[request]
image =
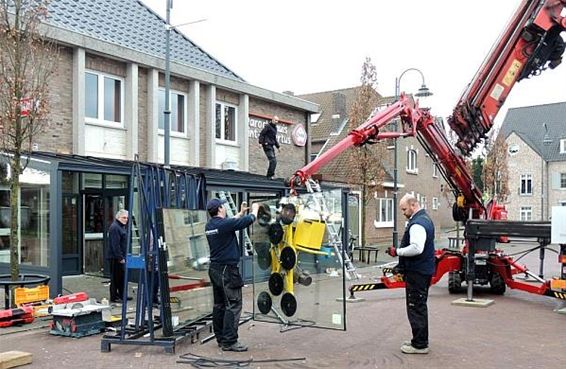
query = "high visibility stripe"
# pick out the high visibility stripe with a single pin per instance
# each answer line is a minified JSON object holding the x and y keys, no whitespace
{"x":560,"y":295}
{"x":364,"y":287}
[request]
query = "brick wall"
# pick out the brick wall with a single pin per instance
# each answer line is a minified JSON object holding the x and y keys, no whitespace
{"x":291,"y":157}
{"x":105,"y":65}
{"x":58,"y":133}
{"x":142,"y":113}
{"x":203,"y":149}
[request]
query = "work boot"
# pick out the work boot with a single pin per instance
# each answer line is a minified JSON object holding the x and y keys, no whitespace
{"x":236,"y":346}
{"x":413,"y":350}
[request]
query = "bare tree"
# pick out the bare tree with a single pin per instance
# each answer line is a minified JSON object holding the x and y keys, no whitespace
{"x":27,"y":61}
{"x":495,"y":169}
{"x":366,"y":169}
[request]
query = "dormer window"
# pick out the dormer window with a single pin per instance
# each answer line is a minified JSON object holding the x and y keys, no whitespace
{"x":563,"y":146}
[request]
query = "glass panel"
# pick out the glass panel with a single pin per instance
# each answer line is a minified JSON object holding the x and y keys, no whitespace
{"x":70,"y":182}
{"x":4,"y":224}
{"x":218,"y":121}
{"x":189,"y":258}
{"x":91,"y":95}
{"x":116,"y":181}
{"x":178,"y":113}
{"x":70,"y":221}
{"x":34,"y":217}
{"x":298,"y":277}
{"x":230,"y":123}
{"x":92,"y":180}
{"x":112,"y":100}
{"x":161,"y":108}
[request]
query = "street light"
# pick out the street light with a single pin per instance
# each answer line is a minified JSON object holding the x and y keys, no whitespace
{"x":423,"y":91}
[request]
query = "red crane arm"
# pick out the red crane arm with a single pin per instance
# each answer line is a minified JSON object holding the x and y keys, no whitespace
{"x":530,"y":43}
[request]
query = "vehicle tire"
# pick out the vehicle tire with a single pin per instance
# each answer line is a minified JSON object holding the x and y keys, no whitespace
{"x":454,"y":282}
{"x":497,"y":284}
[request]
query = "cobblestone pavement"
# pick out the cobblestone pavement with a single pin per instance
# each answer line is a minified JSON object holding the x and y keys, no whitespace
{"x":520,"y":330}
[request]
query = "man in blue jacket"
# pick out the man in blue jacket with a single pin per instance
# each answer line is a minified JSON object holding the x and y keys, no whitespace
{"x":116,"y":255}
{"x":416,"y":263}
{"x":224,"y":274}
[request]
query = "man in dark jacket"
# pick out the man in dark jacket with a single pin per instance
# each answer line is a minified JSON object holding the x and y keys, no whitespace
{"x":224,"y":274}
{"x":268,"y":141}
{"x":117,"y":250}
{"x":416,"y":263}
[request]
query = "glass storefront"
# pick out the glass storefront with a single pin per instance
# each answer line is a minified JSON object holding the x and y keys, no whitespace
{"x":34,"y":217}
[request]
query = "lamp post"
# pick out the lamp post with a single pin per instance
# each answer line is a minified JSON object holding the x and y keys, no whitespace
{"x":423,"y":91}
{"x":167,"y":108}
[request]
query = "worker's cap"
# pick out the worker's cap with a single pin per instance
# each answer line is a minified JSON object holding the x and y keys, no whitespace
{"x":214,"y":204}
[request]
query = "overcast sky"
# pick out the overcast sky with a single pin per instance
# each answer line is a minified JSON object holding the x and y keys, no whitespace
{"x":318,"y":45}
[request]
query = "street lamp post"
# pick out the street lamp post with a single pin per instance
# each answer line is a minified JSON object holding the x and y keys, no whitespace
{"x":422,"y":92}
{"x":167,"y":108}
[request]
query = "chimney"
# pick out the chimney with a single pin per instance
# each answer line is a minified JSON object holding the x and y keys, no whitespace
{"x":290,"y":93}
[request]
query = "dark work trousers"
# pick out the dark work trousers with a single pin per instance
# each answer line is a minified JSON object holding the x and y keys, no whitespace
{"x":416,"y":295}
{"x":116,"y":279}
{"x":269,"y":151}
{"x":227,"y":291}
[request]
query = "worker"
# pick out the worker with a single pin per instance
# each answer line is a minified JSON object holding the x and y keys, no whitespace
{"x":416,"y":263}
{"x":224,"y":274}
{"x":116,"y":255}
{"x":268,"y":141}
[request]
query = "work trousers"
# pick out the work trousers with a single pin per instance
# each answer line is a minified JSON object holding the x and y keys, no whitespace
{"x":416,"y":294}
{"x":227,"y":293}
{"x":116,"y":280}
{"x":269,"y":151}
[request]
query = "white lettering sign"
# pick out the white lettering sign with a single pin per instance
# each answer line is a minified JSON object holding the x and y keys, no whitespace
{"x":256,"y":124}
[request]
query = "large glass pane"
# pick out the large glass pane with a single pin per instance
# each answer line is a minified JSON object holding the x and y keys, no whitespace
{"x":92,"y":180}
{"x":4,"y":224}
{"x":298,"y":275}
{"x":34,"y":217}
{"x":189,"y":259}
{"x":91,"y":95}
{"x":112,"y":100}
{"x":116,"y":181}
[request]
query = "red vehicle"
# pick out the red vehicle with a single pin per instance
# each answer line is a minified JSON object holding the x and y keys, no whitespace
{"x":530,"y":44}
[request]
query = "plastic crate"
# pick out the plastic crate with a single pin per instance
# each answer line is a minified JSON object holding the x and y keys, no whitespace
{"x":26,"y":295}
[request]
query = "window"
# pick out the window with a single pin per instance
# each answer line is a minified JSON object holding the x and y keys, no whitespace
{"x":435,"y":203}
{"x":384,"y":216}
{"x":423,"y":202}
{"x":103,"y":98}
{"x":563,"y":146}
{"x":412,"y":161}
{"x":225,"y":122}
{"x":562,"y":180}
{"x":178,"y":112}
{"x":526,"y":184}
{"x":526,"y":213}
{"x":434,"y":170}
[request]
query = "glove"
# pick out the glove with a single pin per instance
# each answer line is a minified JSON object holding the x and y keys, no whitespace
{"x":391,"y":251}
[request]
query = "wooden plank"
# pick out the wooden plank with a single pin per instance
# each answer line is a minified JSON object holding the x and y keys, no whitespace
{"x":11,"y":359}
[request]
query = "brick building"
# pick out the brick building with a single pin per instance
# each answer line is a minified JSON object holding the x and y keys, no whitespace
{"x":536,"y":142}
{"x":416,"y":172}
{"x":107,"y":101}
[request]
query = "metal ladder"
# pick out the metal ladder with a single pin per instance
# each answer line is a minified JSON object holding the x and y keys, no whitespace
{"x":232,"y":210}
{"x":334,"y":235}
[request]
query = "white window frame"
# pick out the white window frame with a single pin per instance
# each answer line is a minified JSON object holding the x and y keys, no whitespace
{"x":434,"y":170}
{"x":562,"y":180}
{"x":423,"y":202}
{"x":563,"y":145}
{"x":526,"y":178}
{"x":186,"y":111}
{"x":526,"y":213}
{"x":435,"y":203}
{"x":222,"y":108}
{"x":100,"y":109}
{"x":411,"y":167}
{"x":389,"y":209}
